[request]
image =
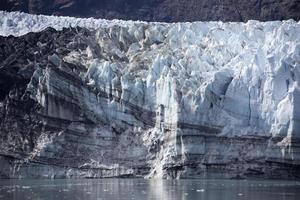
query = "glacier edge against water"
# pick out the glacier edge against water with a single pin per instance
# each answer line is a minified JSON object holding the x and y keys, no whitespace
{"x":181,"y":99}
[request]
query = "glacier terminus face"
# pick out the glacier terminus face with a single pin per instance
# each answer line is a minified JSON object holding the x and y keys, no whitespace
{"x":158,"y":100}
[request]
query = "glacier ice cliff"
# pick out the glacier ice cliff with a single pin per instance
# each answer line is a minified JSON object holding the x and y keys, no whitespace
{"x":98,"y":98}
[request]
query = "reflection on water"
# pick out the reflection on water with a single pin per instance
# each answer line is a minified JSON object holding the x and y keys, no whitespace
{"x":117,"y":189}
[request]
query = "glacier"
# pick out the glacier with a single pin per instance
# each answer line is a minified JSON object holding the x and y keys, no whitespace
{"x":157,"y":100}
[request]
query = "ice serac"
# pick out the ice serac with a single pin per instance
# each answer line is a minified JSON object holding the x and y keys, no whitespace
{"x":114,"y":98}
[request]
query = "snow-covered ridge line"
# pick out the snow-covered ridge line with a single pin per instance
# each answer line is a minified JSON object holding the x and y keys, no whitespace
{"x":19,"y":23}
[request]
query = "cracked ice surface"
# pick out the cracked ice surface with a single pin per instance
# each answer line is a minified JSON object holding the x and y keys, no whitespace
{"x":242,"y":77}
{"x":230,"y":79}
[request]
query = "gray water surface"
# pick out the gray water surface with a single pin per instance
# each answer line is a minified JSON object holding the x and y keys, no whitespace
{"x":139,"y":189}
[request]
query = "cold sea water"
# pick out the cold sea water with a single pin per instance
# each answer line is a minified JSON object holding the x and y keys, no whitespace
{"x":139,"y":189}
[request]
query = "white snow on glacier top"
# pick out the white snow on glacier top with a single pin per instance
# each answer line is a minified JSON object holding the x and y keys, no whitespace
{"x":19,"y":23}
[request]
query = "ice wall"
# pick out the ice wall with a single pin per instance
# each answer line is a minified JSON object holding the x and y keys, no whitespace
{"x":201,"y":93}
